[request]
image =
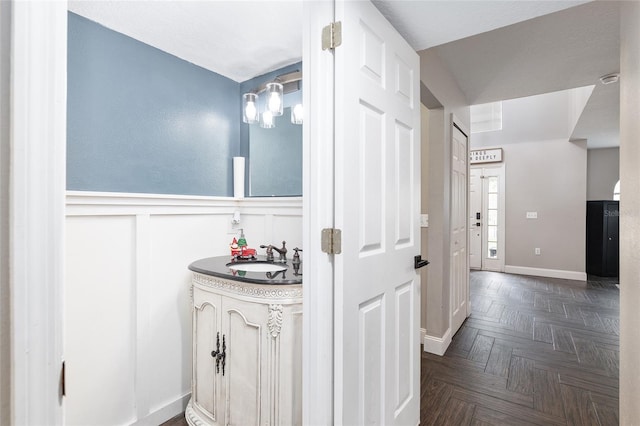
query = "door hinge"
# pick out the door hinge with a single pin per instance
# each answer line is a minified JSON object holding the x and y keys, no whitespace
{"x":332,"y":35}
{"x":331,"y":241}
{"x":63,"y":379}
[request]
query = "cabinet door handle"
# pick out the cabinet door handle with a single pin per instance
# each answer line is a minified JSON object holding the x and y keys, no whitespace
{"x":224,"y":352}
{"x":218,"y":355}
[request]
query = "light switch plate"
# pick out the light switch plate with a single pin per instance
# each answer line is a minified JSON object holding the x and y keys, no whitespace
{"x":532,"y":215}
{"x":424,"y":220}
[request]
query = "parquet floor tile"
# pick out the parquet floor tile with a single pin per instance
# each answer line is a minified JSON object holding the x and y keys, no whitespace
{"x":533,"y":351}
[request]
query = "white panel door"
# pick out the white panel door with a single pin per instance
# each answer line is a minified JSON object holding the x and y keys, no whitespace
{"x":377,"y":190}
{"x":459,"y":278}
{"x":475,"y":219}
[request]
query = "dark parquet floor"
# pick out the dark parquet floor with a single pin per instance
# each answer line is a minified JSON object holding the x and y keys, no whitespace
{"x":535,"y":351}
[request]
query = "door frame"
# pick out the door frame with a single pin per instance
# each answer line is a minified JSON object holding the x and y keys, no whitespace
{"x":317,"y":213}
{"x":37,"y":208}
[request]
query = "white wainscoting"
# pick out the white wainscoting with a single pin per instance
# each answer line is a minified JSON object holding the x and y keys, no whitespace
{"x":127,"y":300}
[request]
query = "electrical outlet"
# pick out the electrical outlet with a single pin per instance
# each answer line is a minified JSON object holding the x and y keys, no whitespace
{"x":532,"y":215}
{"x":537,"y":251}
{"x":424,"y":220}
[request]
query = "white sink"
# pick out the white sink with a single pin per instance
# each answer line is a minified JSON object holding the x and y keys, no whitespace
{"x":257,"y":267}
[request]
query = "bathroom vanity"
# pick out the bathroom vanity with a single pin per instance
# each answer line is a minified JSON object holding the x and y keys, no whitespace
{"x":247,"y":344}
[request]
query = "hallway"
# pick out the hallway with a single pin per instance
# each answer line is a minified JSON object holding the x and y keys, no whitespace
{"x":534,"y":351}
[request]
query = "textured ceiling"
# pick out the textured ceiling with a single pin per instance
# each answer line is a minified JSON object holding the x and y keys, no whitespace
{"x":238,"y":39}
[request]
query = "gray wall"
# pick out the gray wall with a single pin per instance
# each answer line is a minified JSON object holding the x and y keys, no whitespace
{"x":548,"y":177}
{"x":141,"y":120}
{"x":5,"y":330}
{"x":603,"y":171}
{"x":435,"y":288}
{"x":630,"y":213}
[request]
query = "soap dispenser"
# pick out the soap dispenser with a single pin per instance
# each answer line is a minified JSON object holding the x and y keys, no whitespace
{"x":242,"y":242}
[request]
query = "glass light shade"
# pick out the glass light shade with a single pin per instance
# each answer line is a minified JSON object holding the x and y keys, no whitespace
{"x":275,"y":94}
{"x":250,"y":108}
{"x":297,"y":114}
{"x":267,"y":121}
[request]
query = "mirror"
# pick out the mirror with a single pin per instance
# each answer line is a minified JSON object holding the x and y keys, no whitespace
{"x":275,"y":158}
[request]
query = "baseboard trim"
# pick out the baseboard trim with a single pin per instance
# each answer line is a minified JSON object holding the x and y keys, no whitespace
{"x":437,"y":345}
{"x":423,"y":333}
{"x":548,"y":273}
{"x":165,"y":413}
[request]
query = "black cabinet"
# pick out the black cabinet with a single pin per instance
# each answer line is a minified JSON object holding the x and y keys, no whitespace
{"x":603,"y":246}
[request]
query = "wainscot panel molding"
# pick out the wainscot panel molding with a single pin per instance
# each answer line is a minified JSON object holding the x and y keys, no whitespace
{"x":127,"y":298}
{"x":86,"y":203}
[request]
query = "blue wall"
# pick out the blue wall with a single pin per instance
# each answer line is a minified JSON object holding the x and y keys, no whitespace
{"x":141,"y":120}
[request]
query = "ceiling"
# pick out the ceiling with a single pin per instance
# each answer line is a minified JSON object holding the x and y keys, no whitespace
{"x":237,"y":39}
{"x":567,"y":49}
{"x":426,"y":24}
{"x":494,"y":49}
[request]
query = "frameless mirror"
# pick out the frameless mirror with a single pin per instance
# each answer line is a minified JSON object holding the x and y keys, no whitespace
{"x":275,"y":158}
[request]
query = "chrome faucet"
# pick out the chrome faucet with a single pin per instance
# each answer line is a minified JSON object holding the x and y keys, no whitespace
{"x":282,"y":251}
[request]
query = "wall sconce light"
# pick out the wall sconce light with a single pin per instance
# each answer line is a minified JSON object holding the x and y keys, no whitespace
{"x":274,"y":101}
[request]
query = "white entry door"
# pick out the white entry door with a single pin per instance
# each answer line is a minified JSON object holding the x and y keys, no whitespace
{"x":475,"y":219}
{"x":377,"y":206}
{"x":459,"y":278}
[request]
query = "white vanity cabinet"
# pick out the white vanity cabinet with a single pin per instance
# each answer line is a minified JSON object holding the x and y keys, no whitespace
{"x":247,"y":353}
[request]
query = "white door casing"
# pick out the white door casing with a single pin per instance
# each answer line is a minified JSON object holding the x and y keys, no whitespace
{"x":36,"y":207}
{"x":459,"y":280}
{"x":318,"y":213}
{"x":475,"y":207}
{"x":377,"y":193}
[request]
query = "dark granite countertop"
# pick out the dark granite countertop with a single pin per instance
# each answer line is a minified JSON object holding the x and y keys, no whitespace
{"x":217,"y":267}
